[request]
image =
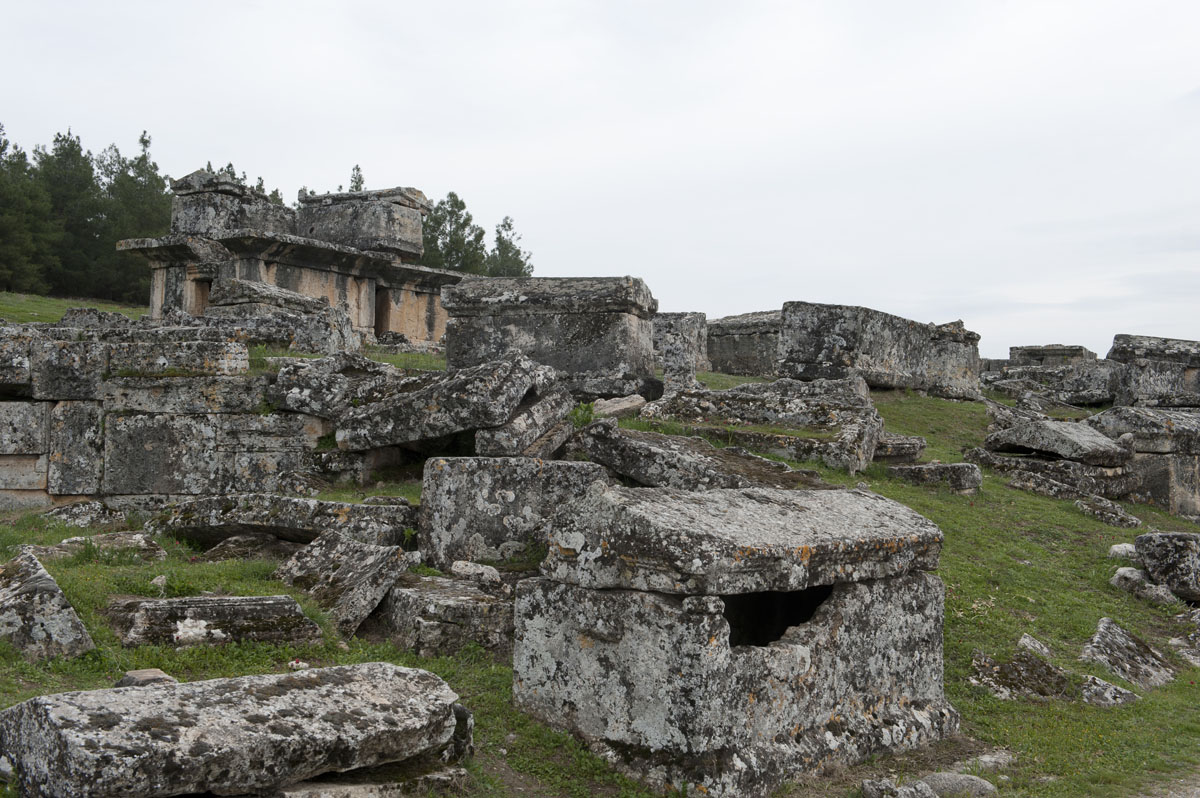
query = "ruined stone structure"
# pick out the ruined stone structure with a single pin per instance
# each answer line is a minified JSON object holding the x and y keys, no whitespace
{"x":725,"y":641}
{"x":681,"y":347}
{"x":1048,"y":355}
{"x":747,"y":344}
{"x":596,"y":330}
{"x":356,"y":251}
{"x":828,"y":341}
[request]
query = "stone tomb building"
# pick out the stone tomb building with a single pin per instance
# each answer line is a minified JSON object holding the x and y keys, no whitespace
{"x":357,"y":250}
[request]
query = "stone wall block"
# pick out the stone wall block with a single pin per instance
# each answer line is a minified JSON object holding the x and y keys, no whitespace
{"x":76,"y":461}
{"x":24,"y":427}
{"x":67,"y":369}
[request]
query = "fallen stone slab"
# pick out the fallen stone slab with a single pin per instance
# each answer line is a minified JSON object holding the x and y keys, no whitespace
{"x":533,"y":419}
{"x":86,"y":514}
{"x":884,"y":788}
{"x":897,"y":449}
{"x":1154,"y":430}
{"x":347,"y":578}
{"x":35,"y":616}
{"x":144,"y":677}
{"x":734,"y":541}
{"x":472,"y":506}
{"x":327,"y":387}
{"x":618,"y":407}
{"x":227,"y":736}
{"x":209,"y":520}
{"x":1108,"y":512}
{"x":1027,"y":675}
{"x":960,"y":785}
{"x":252,"y":546}
{"x":1062,"y":439}
{"x":479,"y":397}
{"x":1111,"y":483}
{"x":1172,"y":559}
{"x":550,"y":445}
{"x":1097,"y":507}
{"x":1100,"y":693}
{"x":437,"y":616}
{"x":672,"y":461}
{"x":139,"y":544}
{"x":444,"y":781}
{"x":963,"y":478}
{"x":1137,"y":582}
{"x":1127,"y":656}
{"x":204,"y":620}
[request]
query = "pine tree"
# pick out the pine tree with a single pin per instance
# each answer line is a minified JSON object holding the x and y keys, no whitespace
{"x":28,"y":234}
{"x":452,"y":239}
{"x":67,"y":174}
{"x":356,"y":178}
{"x":507,"y":259}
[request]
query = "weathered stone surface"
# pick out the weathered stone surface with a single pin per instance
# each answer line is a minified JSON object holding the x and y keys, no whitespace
{"x":688,"y":694}
{"x":226,"y":736}
{"x":898,"y":449}
{"x":680,"y":348}
{"x":86,"y":514}
{"x":882,"y":788}
{"x":1112,"y":483}
{"x":252,"y":546}
{"x":470,"y":506}
{"x":35,"y":616}
{"x":671,"y":461}
{"x":1048,"y":355}
{"x":1027,"y":675}
{"x":233,"y":291}
{"x":1137,"y":582}
{"x":1105,"y":694}
{"x":1096,"y":506}
{"x":23,"y":472}
{"x":472,"y":398}
{"x":828,"y":420}
{"x":140,"y":544}
{"x":486,"y":577}
{"x":347,"y":578}
{"x":962,"y":478}
{"x":435,"y":616}
{"x":328,"y":329}
{"x":595,"y":330}
{"x":75,"y":464}
{"x":165,"y":454}
{"x":386,"y":220}
{"x":734,"y":541}
{"x":186,"y":395}
{"x":1060,"y":439}
{"x":1107,"y":512}
{"x":550,"y":445}
{"x":148,"y":359}
{"x":1154,"y":430}
{"x":66,"y":369}
{"x":1124,"y":551}
{"x":442,"y":781}
{"x":1127,"y":656}
{"x":329,"y":386}
{"x":205,"y":204}
{"x":618,"y":407}
{"x":1088,"y":382}
{"x":209,"y":520}
{"x":203,"y":620}
{"x":958,"y":785}
{"x":1127,"y":348}
{"x":25,"y":427}
{"x":1173,"y":560}
{"x":15,"y":343}
{"x":888,"y":351}
{"x":534,"y":418}
{"x":747,"y":344}
{"x":143,"y":677}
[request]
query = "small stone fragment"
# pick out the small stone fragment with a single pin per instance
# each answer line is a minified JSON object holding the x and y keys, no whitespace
{"x":619,"y":407}
{"x":1106,"y":694}
{"x":35,"y":616}
{"x":1136,"y":581}
{"x":203,"y":620}
{"x":963,"y":478}
{"x":1127,"y":656}
{"x":144,"y":677}
{"x":958,"y":785}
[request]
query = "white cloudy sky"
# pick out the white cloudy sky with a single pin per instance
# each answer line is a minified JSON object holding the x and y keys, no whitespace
{"x":1032,"y":168}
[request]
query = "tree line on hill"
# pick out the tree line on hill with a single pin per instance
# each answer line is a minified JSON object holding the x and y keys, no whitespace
{"x":62,"y":210}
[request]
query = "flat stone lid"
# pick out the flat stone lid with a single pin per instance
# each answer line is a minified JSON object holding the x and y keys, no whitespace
{"x":500,"y":296}
{"x":735,"y":540}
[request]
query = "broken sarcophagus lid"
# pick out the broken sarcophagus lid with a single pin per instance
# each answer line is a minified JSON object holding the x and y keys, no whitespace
{"x":732,"y":639}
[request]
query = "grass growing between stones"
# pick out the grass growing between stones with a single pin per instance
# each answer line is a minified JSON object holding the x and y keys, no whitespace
{"x":418,"y":361}
{"x":715,"y":381}
{"x":22,"y":308}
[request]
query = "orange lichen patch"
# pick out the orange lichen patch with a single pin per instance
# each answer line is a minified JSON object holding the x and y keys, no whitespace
{"x":586,"y":642}
{"x":566,"y":553}
{"x":752,"y":698}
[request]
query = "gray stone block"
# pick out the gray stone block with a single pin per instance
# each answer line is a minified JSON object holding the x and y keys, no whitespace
{"x":386,"y":221}
{"x":148,"y":359}
{"x":533,"y":419}
{"x":1060,"y":439}
{"x":206,"y":620}
{"x":24,"y":472}
{"x":183,"y":395}
{"x":435,"y":616}
{"x":76,"y":462}
{"x":35,"y":616}
{"x":250,"y":734}
{"x":164,"y":454}
{"x":470,"y":506}
{"x":24,"y":427}
{"x":67,"y":369}
{"x":206,"y":204}
{"x":1127,"y":656}
{"x":964,"y":478}
{"x":1172,"y":559}
{"x":747,"y":344}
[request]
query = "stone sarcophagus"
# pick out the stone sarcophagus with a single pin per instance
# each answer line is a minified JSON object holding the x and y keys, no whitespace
{"x":747,"y":344}
{"x":828,"y":341}
{"x":597,"y":330}
{"x":726,"y":641}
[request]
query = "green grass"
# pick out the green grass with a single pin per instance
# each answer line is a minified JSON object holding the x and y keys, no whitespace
{"x":948,"y":427}
{"x":722,"y":435}
{"x":417,"y":361}
{"x":408,"y":489}
{"x":21,"y":308}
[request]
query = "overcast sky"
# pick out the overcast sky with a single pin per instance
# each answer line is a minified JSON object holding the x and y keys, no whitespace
{"x":1032,"y":168}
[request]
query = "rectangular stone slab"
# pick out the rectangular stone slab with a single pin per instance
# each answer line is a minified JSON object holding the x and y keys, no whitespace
{"x":227,"y":736}
{"x":735,"y":541}
{"x":24,"y":427}
{"x":200,"y":620}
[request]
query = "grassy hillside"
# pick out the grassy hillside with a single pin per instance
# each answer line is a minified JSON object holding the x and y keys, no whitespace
{"x":21,"y":308}
{"x":1012,"y":563}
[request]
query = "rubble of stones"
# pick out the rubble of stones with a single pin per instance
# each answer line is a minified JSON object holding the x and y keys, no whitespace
{"x":704,"y":617}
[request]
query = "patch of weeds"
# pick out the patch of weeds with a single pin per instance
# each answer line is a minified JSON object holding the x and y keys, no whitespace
{"x":417,"y":361}
{"x":420,"y":569}
{"x":326,"y":443}
{"x":715,"y":381}
{"x":582,"y":414}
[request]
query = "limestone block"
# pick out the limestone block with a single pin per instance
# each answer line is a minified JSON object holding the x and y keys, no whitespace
{"x":210,"y":520}
{"x":472,"y":398}
{"x":670,"y":461}
{"x":435,"y":616}
{"x":442,"y":781}
{"x":145,"y":676}
{"x":702,"y":693}
{"x":1127,"y":656}
{"x":1048,"y":355}
{"x":734,"y":541}
{"x":35,"y":616}
{"x":896,"y":449}
{"x":15,"y":343}
{"x":548,"y":446}
{"x":165,"y":454}
{"x":347,"y":578}
{"x":681,"y":345}
{"x":747,"y":344}
{"x":368,"y":221}
{"x":67,"y":369}
{"x":964,"y":478}
{"x":1114,"y":483}
{"x":86,"y":514}
{"x":1087,"y":382}
{"x":21,"y":472}
{"x":530,"y":421}
{"x":24,"y":427}
{"x":271,"y":432}
{"x":470,"y":506}
{"x":147,"y":359}
{"x":328,"y":386}
{"x":233,"y":291}
{"x":206,"y":204}
{"x":1061,"y":439}
{"x":204,"y":620}
{"x":226,"y":736}
{"x":140,"y":544}
{"x":76,"y":461}
{"x":618,"y":407}
{"x":1137,"y":582}
{"x":252,"y":546}
{"x":1127,"y":348}
{"x":184,"y":395}
{"x":889,"y":351}
{"x":1154,"y":430}
{"x":1172,"y":559}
